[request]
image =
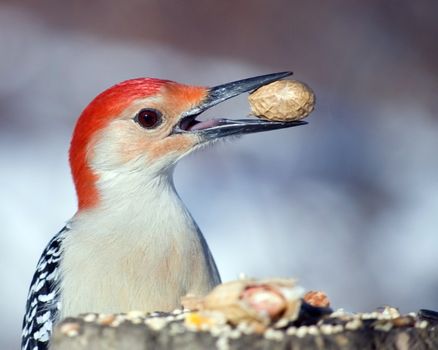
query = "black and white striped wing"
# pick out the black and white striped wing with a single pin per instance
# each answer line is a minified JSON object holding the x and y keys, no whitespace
{"x":43,"y":299}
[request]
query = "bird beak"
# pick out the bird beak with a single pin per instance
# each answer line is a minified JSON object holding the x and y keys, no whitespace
{"x":216,"y":128}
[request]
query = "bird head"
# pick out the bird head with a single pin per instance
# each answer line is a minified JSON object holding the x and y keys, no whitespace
{"x":144,"y":126}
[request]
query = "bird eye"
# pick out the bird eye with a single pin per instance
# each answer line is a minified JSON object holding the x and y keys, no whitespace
{"x":148,"y":118}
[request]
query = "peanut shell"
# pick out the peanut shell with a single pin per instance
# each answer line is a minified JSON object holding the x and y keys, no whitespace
{"x":283,"y":100}
{"x":234,"y":301}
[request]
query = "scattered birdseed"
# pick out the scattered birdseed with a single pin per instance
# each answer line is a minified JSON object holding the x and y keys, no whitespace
{"x":302,"y":331}
{"x":226,"y":328}
{"x":388,"y":311}
{"x":234,"y":334}
{"x":180,"y":317}
{"x":291,"y":331}
{"x":421,"y":324}
{"x":106,"y":319}
{"x":354,"y":324}
{"x":215,"y":331}
{"x":339,"y":313}
{"x":313,"y":330}
{"x":384,"y":326}
{"x":115,"y":323}
{"x":70,"y":329}
{"x":90,"y":318}
{"x":273,"y":334}
{"x":199,"y":321}
{"x":338,"y":328}
{"x":177,"y":311}
{"x":222,"y":343}
{"x":245,"y":328}
{"x":156,"y":323}
{"x":135,"y":314}
{"x":204,"y":327}
{"x":326,"y":329}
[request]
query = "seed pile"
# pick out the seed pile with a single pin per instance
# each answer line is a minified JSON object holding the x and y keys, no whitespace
{"x":183,"y":320}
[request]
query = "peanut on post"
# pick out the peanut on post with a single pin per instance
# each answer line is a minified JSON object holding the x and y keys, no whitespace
{"x":283,"y":100}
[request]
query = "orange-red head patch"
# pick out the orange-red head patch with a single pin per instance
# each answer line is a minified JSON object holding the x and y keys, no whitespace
{"x":108,"y":106}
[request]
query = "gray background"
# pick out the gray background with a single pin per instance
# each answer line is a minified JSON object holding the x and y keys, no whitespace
{"x":348,"y":204}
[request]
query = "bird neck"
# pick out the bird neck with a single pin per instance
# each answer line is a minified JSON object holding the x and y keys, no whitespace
{"x":139,"y":249}
{"x":138,"y":203}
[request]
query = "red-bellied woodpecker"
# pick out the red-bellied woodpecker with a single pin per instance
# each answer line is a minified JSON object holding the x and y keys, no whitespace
{"x":133,"y":245}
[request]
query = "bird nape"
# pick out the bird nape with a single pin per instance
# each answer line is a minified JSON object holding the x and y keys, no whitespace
{"x":132,"y":244}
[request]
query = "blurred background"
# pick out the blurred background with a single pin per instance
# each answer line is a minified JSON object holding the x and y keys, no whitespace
{"x":347,"y":204}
